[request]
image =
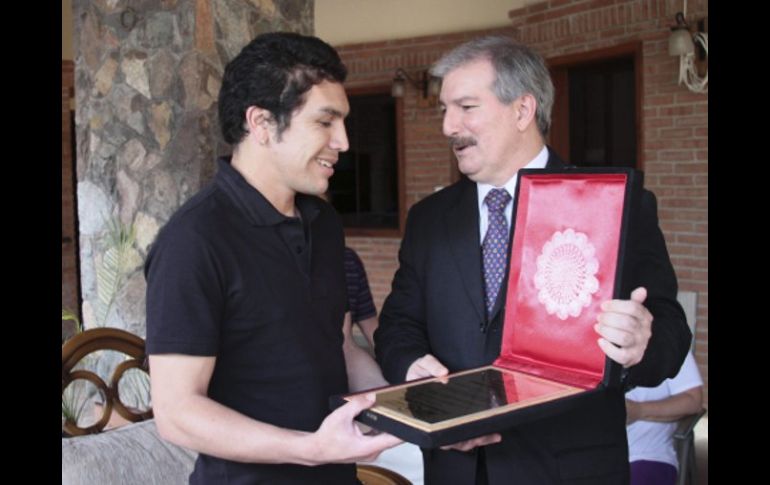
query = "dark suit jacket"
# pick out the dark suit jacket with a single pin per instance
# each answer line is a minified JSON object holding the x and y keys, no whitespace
{"x":436,"y":306}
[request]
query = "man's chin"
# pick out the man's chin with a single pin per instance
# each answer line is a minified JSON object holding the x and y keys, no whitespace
{"x":324,"y":186}
{"x":467,"y":170}
{"x":318,"y":189}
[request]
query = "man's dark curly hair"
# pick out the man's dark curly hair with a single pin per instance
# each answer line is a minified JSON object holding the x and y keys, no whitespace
{"x":274,"y":71}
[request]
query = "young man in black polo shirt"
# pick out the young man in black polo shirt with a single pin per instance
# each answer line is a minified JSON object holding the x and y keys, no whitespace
{"x":246,"y":284}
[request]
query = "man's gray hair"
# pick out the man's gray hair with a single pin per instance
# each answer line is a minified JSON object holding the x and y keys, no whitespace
{"x":518,"y":70}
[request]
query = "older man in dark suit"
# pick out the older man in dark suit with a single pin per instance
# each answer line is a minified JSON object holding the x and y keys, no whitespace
{"x":444,"y":311}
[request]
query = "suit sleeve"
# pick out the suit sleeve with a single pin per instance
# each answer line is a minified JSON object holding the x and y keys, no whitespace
{"x":650,"y":267}
{"x":401,"y":337}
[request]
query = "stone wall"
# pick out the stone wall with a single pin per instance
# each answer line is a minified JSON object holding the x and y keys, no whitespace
{"x":147,"y":75}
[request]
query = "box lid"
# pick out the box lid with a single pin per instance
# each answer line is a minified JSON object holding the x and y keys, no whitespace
{"x":566,"y":258}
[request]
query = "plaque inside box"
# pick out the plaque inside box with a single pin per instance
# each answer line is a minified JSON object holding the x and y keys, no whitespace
{"x":566,"y":258}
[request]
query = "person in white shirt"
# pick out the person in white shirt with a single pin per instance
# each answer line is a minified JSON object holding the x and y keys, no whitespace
{"x":651,"y":415}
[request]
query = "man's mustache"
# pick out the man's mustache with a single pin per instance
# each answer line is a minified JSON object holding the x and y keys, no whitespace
{"x":461,"y":141}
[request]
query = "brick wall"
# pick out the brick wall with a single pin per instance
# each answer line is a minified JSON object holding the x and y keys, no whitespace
{"x":674,"y":123}
{"x":428,"y":159}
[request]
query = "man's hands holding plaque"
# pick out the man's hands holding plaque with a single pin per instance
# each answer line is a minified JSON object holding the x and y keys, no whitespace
{"x":625,"y":327}
{"x":426,"y":366}
{"x":429,"y":366}
{"x":341,"y":440}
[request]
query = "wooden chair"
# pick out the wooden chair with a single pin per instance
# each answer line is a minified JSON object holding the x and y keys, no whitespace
{"x":92,"y":340}
{"x":377,"y":475}
{"x":684,"y":444}
{"x":684,"y":436}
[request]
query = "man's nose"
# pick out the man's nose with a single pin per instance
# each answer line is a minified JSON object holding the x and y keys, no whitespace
{"x":449,"y":123}
{"x":339,"y":140}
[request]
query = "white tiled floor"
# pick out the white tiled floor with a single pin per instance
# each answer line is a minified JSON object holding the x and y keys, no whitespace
{"x":405,"y":459}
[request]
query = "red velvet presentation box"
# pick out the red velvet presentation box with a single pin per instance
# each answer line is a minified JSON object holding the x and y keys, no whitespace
{"x":566,"y":259}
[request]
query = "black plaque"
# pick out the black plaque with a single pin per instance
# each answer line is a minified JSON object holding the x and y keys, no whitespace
{"x":439,"y":411}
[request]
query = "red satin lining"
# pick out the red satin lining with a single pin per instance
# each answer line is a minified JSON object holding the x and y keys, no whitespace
{"x":534,"y":341}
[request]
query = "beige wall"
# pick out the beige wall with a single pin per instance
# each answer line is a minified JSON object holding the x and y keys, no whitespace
{"x":347,"y":21}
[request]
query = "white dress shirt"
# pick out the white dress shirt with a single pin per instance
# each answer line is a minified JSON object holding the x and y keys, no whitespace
{"x":483,"y":189}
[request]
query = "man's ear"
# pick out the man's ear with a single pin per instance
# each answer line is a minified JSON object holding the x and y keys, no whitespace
{"x":526,"y":109}
{"x":258,"y":124}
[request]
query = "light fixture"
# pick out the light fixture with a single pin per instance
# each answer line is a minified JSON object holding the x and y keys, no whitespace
{"x":429,"y":86}
{"x":681,"y":43}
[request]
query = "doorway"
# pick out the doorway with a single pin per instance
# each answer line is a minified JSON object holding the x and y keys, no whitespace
{"x":596,"y":113}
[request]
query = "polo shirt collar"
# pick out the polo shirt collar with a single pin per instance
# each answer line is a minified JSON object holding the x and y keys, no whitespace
{"x":254,"y":206}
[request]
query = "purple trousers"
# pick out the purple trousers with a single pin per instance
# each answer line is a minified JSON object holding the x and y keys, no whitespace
{"x":645,"y":472}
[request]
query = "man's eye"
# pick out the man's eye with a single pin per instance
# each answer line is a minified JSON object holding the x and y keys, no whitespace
{"x":325,"y":124}
{"x":466,"y":107}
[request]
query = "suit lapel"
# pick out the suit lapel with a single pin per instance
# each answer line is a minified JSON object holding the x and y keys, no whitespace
{"x":554,"y":162}
{"x":462,"y":223}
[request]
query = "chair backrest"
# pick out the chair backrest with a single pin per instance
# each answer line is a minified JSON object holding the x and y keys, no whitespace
{"x":684,"y":444}
{"x":689,"y":302}
{"x":93,"y":340}
{"x":684,"y":437}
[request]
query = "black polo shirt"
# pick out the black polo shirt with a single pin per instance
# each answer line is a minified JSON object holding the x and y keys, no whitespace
{"x":229,"y":276}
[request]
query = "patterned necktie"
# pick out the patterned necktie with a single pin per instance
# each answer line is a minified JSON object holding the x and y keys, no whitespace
{"x":495,"y":245}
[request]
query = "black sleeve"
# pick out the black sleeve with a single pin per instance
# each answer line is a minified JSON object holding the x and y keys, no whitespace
{"x":185,"y":299}
{"x":651,"y":268}
{"x":401,"y":337}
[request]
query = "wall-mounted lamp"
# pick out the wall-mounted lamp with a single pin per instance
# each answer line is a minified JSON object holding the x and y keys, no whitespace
{"x":429,"y":86}
{"x":682,"y":43}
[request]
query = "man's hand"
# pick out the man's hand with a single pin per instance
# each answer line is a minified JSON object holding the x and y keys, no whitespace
{"x":429,"y":366}
{"x":426,"y":366}
{"x":468,"y":445}
{"x":340,"y":440}
{"x":625,"y":327}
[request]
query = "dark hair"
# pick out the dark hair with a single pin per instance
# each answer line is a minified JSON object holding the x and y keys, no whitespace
{"x":274,"y":71}
{"x":518,"y":70}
